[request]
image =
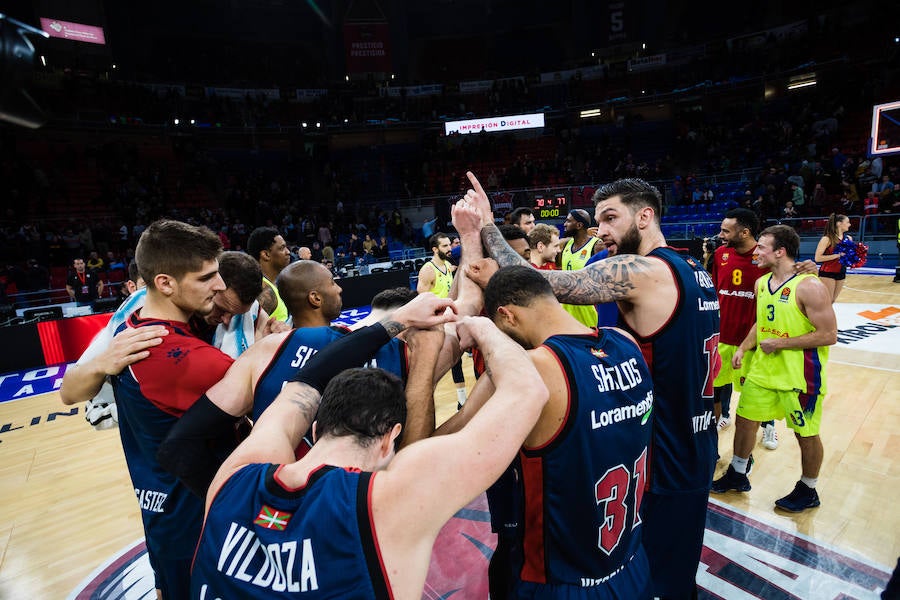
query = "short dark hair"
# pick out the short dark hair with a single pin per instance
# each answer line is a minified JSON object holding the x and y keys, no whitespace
{"x":133,"y":273}
{"x":392,"y":298}
{"x":261,"y":239}
{"x":512,"y":232}
{"x":174,"y":248}
{"x":435,"y":240}
{"x":744,"y":218}
{"x":518,"y":285}
{"x":297,"y":280}
{"x":516,"y":215}
{"x":635,"y":193}
{"x":241,"y":273}
{"x":364,"y":403}
{"x":783,"y":236}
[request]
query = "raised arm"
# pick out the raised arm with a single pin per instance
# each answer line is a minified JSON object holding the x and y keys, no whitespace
{"x":424,"y":347}
{"x":442,"y":474}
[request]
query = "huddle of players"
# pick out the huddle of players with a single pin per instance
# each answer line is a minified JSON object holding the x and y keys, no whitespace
{"x":580,"y":409}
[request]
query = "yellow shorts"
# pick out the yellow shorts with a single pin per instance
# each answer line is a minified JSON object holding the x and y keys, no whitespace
{"x":727,"y":374}
{"x":801,"y":412}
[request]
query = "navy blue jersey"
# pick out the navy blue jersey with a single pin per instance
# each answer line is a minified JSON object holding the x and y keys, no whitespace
{"x":684,"y":359}
{"x":582,"y":489}
{"x":263,"y":539}
{"x":302,"y":344}
{"x":151,"y":395}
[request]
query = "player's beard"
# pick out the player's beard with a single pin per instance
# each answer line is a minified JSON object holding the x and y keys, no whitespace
{"x":443,"y":256}
{"x":630,"y":242}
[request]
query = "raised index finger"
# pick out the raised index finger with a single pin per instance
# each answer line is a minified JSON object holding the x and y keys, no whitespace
{"x":475,"y":183}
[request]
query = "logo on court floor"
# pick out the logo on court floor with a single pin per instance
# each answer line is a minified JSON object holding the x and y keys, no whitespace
{"x":742,"y":558}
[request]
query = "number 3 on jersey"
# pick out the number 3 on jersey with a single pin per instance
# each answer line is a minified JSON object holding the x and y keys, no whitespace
{"x":612,"y":491}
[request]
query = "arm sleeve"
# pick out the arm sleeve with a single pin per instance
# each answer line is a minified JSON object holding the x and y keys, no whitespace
{"x":352,"y":350}
{"x":197,"y":445}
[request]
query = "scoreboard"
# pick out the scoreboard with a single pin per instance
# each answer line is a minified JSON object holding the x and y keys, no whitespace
{"x":550,"y":206}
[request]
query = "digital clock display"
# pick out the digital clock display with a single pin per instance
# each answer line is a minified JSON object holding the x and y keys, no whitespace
{"x":550,"y":206}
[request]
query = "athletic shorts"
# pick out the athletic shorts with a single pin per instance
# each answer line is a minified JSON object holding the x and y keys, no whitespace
{"x":760,"y":404}
{"x":673,"y":539}
{"x":172,"y":576}
{"x":801,"y":412}
{"x":726,"y":373}
{"x":837,"y":276}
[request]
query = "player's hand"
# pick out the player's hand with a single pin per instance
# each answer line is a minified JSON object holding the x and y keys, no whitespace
{"x":592,"y":231}
{"x":481,"y":271}
{"x":471,"y":331}
{"x":420,"y":340}
{"x":806,"y":267}
{"x":466,"y":218}
{"x":130,"y":346}
{"x":478,"y":198}
{"x":770,"y":345}
{"x":425,"y":311}
{"x":737,"y":359}
{"x":273,"y":325}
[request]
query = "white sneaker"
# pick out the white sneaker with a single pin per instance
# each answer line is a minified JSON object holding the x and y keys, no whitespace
{"x":723,"y":423}
{"x":770,"y":438}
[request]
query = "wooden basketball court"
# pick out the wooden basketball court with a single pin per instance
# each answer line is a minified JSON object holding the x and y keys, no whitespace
{"x":68,"y":505}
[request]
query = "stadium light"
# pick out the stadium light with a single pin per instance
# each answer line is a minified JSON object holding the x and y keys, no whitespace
{"x":177,"y":121}
{"x":593,"y":112}
{"x":801,"y":84}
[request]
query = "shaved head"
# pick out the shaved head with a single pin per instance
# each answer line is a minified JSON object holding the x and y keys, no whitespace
{"x":307,"y":286}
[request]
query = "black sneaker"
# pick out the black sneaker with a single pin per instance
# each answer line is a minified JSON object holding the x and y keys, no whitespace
{"x":731,"y":480}
{"x":800,"y":499}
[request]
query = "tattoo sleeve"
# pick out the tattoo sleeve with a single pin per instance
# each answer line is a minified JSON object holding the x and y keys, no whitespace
{"x":306,"y":399}
{"x":609,"y":280}
{"x":499,"y":249}
{"x":393,"y":328}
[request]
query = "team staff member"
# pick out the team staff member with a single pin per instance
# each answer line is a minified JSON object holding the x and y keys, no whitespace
{"x":577,"y":250}
{"x":268,"y":247}
{"x":179,"y":264}
{"x":523,"y":218}
{"x":83,"y":286}
{"x":795,"y":324}
{"x":294,"y":514}
{"x":667,"y":301}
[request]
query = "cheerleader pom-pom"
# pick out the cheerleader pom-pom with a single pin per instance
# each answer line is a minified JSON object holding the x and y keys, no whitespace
{"x":853,"y":254}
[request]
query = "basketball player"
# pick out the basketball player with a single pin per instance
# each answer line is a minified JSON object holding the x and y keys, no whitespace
{"x":795,"y":324}
{"x":436,"y":276}
{"x":576,"y":251}
{"x":294,"y":515}
{"x":544,"y":243}
{"x":583,"y":465}
{"x":734,"y":270}
{"x":236,"y":317}
{"x":179,"y":264}
{"x":668,"y":303}
{"x":268,"y":247}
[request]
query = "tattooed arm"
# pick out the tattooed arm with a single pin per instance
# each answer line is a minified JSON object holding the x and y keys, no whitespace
{"x":275,"y":435}
{"x":610,"y":280}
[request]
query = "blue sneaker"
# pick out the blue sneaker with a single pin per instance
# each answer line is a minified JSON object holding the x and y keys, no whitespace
{"x":731,"y":480}
{"x":800,"y":499}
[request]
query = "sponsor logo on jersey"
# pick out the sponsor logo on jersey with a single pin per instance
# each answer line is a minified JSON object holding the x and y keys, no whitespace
{"x":725,"y":256}
{"x":599,"y":353}
{"x":785,"y":295}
